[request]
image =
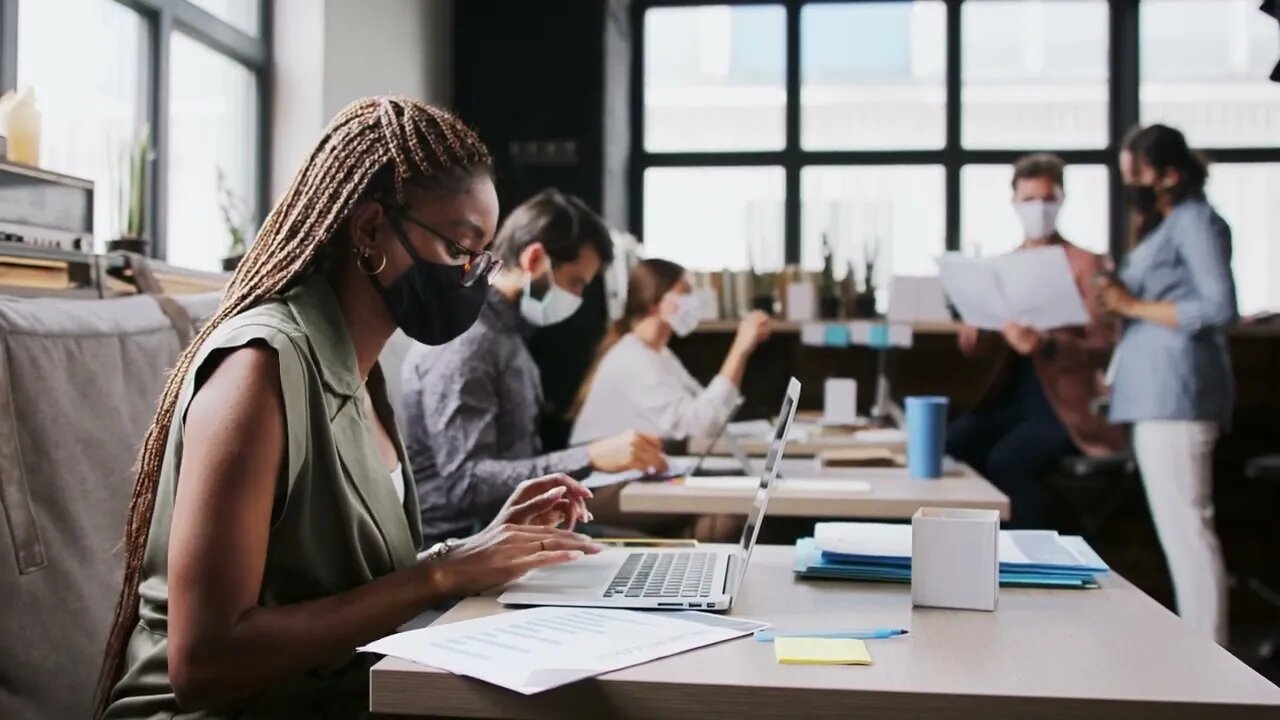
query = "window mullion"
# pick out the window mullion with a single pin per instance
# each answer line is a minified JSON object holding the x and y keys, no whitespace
{"x":158,"y":112}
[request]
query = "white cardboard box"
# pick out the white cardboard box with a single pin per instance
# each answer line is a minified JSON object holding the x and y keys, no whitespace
{"x":840,"y":401}
{"x":955,"y":558}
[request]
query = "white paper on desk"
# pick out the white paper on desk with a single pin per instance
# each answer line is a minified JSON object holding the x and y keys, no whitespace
{"x":879,"y":436}
{"x":750,"y":429}
{"x":1032,"y":287}
{"x":533,"y":650}
{"x":1016,"y":547}
{"x":830,"y":485}
{"x":675,"y":468}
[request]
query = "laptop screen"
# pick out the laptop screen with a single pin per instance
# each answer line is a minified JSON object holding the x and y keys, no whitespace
{"x":776,"y":445}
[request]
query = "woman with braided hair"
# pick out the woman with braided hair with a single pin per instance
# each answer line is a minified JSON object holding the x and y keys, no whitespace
{"x":270,"y":533}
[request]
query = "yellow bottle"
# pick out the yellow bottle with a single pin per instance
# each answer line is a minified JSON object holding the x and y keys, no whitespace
{"x":20,"y":124}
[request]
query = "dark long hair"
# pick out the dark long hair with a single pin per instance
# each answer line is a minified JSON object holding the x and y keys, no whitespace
{"x":375,"y":147}
{"x":1164,"y":148}
{"x":648,"y":282}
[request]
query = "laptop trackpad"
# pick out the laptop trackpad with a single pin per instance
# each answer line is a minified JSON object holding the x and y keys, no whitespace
{"x":586,"y":576}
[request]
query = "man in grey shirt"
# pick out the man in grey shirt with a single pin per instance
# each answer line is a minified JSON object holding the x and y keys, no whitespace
{"x":471,"y":406}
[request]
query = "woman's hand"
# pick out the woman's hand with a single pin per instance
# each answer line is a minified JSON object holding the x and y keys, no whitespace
{"x":1022,"y":339}
{"x":547,"y":501}
{"x":628,"y":450}
{"x":754,"y":329}
{"x":1114,"y":298}
{"x":503,"y":552}
{"x":967,"y":337}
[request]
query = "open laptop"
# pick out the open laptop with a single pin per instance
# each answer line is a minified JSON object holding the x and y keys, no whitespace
{"x":661,"y":578}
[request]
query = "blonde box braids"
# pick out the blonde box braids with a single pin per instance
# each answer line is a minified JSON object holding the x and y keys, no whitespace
{"x":392,"y":141}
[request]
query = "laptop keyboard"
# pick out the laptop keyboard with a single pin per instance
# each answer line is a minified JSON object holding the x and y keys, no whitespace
{"x":664,"y":575}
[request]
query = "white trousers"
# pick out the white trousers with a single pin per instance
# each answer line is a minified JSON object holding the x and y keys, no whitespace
{"x":1176,"y":460}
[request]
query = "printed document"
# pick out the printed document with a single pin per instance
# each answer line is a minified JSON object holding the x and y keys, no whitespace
{"x":533,"y":650}
{"x":1032,"y":287}
{"x":675,"y":468}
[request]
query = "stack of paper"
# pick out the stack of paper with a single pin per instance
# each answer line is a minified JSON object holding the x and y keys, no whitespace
{"x":869,"y":456}
{"x":882,"y":552}
{"x":533,"y":650}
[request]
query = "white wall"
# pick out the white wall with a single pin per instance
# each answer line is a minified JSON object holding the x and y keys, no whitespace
{"x":330,"y":52}
{"x":297,"y":97}
{"x":384,"y":47}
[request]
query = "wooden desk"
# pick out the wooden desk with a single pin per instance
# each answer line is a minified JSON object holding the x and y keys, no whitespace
{"x":894,"y":495}
{"x":1055,"y":654}
{"x":807,"y":447}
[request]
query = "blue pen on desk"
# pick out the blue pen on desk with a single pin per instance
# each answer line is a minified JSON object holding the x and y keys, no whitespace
{"x":871,"y":634}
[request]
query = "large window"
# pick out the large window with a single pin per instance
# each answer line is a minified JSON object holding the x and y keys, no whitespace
{"x":872,"y":75}
{"x":714,"y":78}
{"x":890,"y":126}
{"x":212,"y":121}
{"x":90,"y":111}
{"x":93,"y":66}
{"x":1204,"y":71}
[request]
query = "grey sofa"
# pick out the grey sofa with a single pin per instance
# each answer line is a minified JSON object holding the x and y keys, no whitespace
{"x":79,"y":380}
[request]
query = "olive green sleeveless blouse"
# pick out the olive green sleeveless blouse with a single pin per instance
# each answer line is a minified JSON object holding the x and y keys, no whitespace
{"x":336,"y":522}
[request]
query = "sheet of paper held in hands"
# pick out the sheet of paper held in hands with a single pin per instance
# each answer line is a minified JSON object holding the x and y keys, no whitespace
{"x":533,"y":650}
{"x":1032,"y":287}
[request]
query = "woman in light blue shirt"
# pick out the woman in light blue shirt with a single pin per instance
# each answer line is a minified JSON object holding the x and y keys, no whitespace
{"x":1171,"y":373}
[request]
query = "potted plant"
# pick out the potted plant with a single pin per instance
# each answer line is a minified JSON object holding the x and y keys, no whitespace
{"x":849,"y":290}
{"x":236,"y":219}
{"x":131,"y":186}
{"x":828,"y":292}
{"x":763,"y":290}
{"x":864,"y":305}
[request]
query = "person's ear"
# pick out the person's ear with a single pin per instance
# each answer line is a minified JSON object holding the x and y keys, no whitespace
{"x":1171,"y":178}
{"x":665,"y":306}
{"x":362,"y":225}
{"x":533,"y":259}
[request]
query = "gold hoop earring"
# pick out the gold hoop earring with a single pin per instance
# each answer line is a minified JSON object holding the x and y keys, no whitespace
{"x":364,"y":262}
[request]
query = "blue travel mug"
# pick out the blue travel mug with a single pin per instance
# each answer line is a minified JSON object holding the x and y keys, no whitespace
{"x":926,"y":435}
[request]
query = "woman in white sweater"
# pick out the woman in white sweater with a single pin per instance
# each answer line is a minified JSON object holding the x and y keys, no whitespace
{"x":639,"y":383}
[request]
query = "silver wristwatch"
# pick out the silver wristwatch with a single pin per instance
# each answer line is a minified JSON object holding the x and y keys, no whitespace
{"x":441,"y":549}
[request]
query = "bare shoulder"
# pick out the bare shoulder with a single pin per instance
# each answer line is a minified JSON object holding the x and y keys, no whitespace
{"x":242,"y":385}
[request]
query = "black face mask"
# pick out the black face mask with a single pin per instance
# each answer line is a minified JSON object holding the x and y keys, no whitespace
{"x":1142,"y":198}
{"x":428,"y":302}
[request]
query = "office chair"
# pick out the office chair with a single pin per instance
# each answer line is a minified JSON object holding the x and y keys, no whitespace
{"x":1264,"y":471}
{"x":1094,"y":488}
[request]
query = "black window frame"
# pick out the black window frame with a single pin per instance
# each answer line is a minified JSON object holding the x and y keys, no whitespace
{"x":1122,"y":110}
{"x":162,"y":19}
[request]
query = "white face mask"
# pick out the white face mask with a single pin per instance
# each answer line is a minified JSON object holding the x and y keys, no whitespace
{"x":687,"y":315}
{"x":1039,"y":217}
{"x":556,"y":306}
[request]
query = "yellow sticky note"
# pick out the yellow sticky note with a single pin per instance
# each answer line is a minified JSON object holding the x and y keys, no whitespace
{"x":821,"y":651}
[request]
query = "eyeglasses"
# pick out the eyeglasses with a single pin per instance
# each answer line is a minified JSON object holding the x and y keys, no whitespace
{"x":479,"y":264}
